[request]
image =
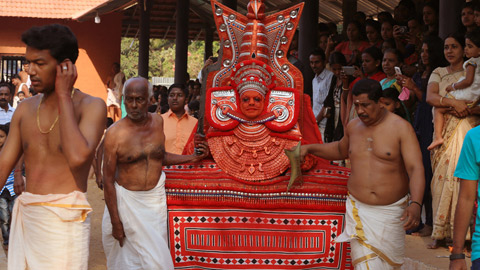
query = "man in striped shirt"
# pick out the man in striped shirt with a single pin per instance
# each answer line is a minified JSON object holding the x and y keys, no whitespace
{"x":7,"y":195}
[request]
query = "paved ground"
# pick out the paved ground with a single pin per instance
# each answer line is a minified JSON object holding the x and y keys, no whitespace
{"x":418,"y":256}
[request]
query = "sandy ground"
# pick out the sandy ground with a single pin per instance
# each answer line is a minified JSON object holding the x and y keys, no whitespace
{"x":418,"y":256}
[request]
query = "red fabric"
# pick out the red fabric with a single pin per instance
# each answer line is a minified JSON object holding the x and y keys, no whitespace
{"x":231,"y":238}
{"x":308,"y":126}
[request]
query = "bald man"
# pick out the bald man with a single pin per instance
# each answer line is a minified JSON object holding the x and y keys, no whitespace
{"x":134,"y":223}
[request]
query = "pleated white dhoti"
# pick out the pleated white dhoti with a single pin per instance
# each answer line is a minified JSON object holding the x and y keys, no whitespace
{"x":144,"y":218}
{"x":50,"y":232}
{"x":375,"y":233}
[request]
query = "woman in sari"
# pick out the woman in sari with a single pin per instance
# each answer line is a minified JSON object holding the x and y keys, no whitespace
{"x":445,"y":186}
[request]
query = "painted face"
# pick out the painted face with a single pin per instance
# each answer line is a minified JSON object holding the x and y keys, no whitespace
{"x":468,"y":17}
{"x":424,"y":54}
{"x":136,"y":100}
{"x":471,"y":50}
{"x":453,"y":51}
{"x":251,"y":104}
{"x":176,"y":100}
{"x":372,"y":34}
{"x":352,"y":32}
{"x":317,"y":64}
{"x":369,"y":65}
{"x":336,"y":69}
{"x":5,"y":96}
{"x":387,"y":31}
{"x":429,"y":17}
{"x":390,"y":61}
{"x":3,"y":138}
{"x":42,"y":69}
{"x":368,"y":110}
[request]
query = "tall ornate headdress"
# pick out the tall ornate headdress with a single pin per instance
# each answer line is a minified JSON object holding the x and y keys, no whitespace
{"x":254,"y":58}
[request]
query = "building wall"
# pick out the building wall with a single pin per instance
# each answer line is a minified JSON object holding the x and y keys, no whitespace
{"x":99,"y":46}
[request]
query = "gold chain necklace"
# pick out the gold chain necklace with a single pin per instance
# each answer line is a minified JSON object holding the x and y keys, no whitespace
{"x":54,"y":122}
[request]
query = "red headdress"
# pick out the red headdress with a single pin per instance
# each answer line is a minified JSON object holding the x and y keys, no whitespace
{"x":255,"y":49}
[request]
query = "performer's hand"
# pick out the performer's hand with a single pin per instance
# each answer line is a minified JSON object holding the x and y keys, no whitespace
{"x":118,"y":232}
{"x":458,"y":264}
{"x":18,"y":183}
{"x":411,"y":216}
{"x":66,"y":77}
{"x":201,"y":151}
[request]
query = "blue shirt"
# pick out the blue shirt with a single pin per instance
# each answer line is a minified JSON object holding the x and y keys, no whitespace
{"x":468,"y":168}
{"x":9,"y":185}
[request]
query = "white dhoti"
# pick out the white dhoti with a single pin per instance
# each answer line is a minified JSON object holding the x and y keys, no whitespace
{"x":144,"y":218}
{"x":50,"y":232}
{"x":375,"y":233}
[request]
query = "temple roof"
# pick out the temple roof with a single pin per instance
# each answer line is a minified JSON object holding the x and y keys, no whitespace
{"x":163,"y":12}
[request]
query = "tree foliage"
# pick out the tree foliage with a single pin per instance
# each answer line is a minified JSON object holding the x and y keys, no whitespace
{"x":162,"y":57}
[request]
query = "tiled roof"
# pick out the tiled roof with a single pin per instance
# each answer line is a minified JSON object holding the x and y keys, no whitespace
{"x":51,"y":9}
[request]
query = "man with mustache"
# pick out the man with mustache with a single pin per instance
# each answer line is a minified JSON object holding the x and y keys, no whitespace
{"x":6,"y":111}
{"x":178,"y":124}
{"x":135,"y":219}
{"x":386,"y":165}
{"x":57,"y":131}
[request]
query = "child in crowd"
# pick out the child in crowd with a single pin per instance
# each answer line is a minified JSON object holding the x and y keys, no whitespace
{"x":7,"y":195}
{"x":467,"y":88}
{"x":391,"y":102}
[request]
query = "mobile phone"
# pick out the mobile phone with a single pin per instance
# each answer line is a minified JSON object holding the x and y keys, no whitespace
{"x":398,"y":71}
{"x":348,"y":70}
{"x":403,"y":29}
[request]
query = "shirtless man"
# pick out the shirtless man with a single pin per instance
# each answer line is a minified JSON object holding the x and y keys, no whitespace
{"x":135,"y":225}
{"x":58,"y":145}
{"x":384,"y":155}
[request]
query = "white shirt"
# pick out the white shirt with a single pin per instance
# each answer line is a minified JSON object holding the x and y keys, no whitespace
{"x":6,"y":116}
{"x":321,"y":86}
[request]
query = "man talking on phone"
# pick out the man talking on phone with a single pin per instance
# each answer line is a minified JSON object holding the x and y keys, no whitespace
{"x":321,"y":86}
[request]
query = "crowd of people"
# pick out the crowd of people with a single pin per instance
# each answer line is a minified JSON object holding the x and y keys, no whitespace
{"x":429,"y":82}
{"x":391,"y":73}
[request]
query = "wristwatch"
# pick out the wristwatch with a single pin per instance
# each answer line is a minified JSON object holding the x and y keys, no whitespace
{"x":457,"y":256}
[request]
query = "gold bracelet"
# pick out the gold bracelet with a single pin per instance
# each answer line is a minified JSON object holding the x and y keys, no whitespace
{"x":441,"y":101}
{"x":345,"y":89}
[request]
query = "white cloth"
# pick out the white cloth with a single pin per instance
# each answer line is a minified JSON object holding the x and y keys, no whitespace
{"x":6,"y":116}
{"x":375,"y":233}
{"x":50,"y":232}
{"x":471,"y":93}
{"x":144,"y":218}
{"x":321,"y":87}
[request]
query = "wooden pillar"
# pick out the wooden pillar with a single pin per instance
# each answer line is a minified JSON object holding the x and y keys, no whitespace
{"x":231,"y":4}
{"x":307,"y":41}
{"x":181,"y":42}
{"x":144,"y":39}
{"x":208,"y":42}
{"x":349,"y":7}
{"x":450,"y":13}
